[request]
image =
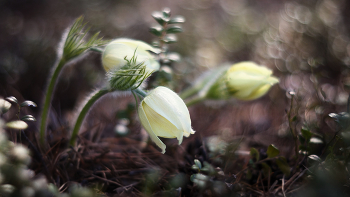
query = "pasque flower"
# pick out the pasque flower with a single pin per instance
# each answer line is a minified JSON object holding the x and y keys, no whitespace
{"x":244,"y":81}
{"x":114,"y":54}
{"x":164,"y":114}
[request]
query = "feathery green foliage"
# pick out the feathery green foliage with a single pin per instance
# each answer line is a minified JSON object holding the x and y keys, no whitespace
{"x":75,"y":45}
{"x":130,"y":76}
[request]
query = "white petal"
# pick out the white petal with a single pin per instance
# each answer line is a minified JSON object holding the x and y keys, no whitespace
{"x":113,"y":55}
{"x":244,"y":84}
{"x":169,"y":105}
{"x":136,"y":43}
{"x":115,"y":52}
{"x":161,"y":126}
{"x":250,"y":67}
{"x":147,"y":126}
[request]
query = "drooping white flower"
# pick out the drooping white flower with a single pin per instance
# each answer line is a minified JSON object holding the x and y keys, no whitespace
{"x":163,"y":113}
{"x":114,"y":54}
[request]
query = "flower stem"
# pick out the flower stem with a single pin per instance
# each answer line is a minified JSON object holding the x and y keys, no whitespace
{"x":140,"y":92}
{"x":189,"y":92}
{"x":48,"y":98}
{"x":195,"y":101}
{"x":83,"y":113}
{"x":96,"y":49}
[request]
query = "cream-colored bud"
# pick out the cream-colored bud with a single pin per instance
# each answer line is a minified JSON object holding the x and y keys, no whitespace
{"x":114,"y":54}
{"x":243,"y":81}
{"x":248,"y":81}
{"x":163,"y":113}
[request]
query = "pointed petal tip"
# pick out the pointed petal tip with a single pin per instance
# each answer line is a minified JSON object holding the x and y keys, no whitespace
{"x":180,"y":140}
{"x":273,"y":80}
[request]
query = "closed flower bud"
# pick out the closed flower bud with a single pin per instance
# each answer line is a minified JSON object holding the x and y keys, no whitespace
{"x":243,"y":81}
{"x":113,"y":56}
{"x":163,"y":113}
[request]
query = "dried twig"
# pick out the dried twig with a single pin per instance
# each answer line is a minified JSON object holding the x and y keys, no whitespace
{"x":284,"y":194}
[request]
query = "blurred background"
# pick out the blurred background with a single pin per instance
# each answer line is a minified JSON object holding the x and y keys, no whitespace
{"x":305,"y":43}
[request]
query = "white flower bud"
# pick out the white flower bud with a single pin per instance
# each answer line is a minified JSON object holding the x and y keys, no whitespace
{"x":115,"y":52}
{"x":163,"y":113}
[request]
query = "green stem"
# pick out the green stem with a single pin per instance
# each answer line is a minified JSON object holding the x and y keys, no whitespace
{"x":48,"y":98}
{"x":189,"y":92}
{"x":195,"y":101}
{"x":96,"y":49}
{"x":140,"y":92}
{"x":83,"y":113}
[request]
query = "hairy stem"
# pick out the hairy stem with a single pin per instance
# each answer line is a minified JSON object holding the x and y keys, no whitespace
{"x":48,"y":98}
{"x":96,"y":49}
{"x":83,"y":113}
{"x":140,"y":92}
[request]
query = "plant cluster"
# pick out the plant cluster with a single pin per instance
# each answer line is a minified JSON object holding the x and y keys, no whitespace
{"x":208,"y":166}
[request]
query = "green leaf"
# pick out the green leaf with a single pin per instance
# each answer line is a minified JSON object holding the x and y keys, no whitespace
{"x":174,"y":29}
{"x":306,"y":133}
{"x":193,"y":176}
{"x":155,"y":44}
{"x":28,"y":118}
{"x":343,"y":119}
{"x":166,"y":12}
{"x":17,"y":124}
{"x":272,"y":151}
{"x":12,"y":99}
{"x":315,"y":158}
{"x":209,"y":169}
{"x":156,"y":30}
{"x":198,"y":163}
{"x":266,"y":169}
{"x":283,"y":165}
{"x":28,"y":104}
{"x":177,"y":19}
{"x":194,"y":167}
{"x":4,"y":106}
{"x":254,"y":154}
{"x":174,"y":57}
{"x":158,"y":16}
{"x":171,"y":38}
{"x":346,"y":137}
